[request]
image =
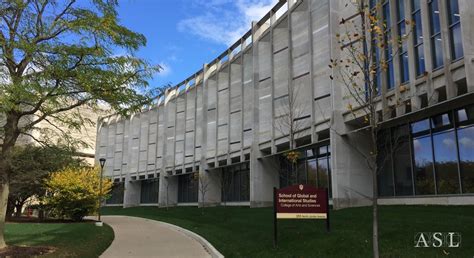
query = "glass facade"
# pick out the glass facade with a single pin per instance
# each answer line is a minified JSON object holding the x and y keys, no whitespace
{"x":116,"y":194}
{"x":403,"y":50}
{"x":313,"y":167}
{"x":388,"y":44}
{"x":455,"y":29}
{"x":418,"y":37}
{"x":236,"y":183}
{"x":433,"y":156}
{"x":149,"y":190}
{"x":435,"y":34}
{"x":188,"y":188}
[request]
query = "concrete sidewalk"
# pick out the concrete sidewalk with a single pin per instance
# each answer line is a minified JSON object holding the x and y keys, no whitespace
{"x":138,"y":237}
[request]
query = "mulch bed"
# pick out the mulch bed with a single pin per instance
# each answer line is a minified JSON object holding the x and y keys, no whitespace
{"x":26,"y":251}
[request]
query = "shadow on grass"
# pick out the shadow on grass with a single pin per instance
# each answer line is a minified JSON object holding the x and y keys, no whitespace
{"x":70,"y":239}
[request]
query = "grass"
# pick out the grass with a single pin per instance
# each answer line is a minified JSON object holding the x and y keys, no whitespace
{"x":70,"y":239}
{"x":245,"y":232}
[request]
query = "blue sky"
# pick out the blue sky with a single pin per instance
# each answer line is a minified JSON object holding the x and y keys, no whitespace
{"x":182,"y":35}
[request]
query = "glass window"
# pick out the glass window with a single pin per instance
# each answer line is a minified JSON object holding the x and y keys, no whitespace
{"x":436,"y":46}
{"x":446,"y":163}
{"x":466,"y":158}
{"x":465,"y":114}
{"x":235,"y":183}
{"x":418,"y":38}
{"x":187,"y":188}
{"x":388,"y":44}
{"x":324,"y":174}
{"x":401,"y":161}
{"x":384,"y":164}
{"x":455,"y":29}
{"x":404,"y":73}
{"x":441,"y":120}
{"x":420,"y":126}
{"x":301,"y":172}
{"x":116,"y":194}
{"x":312,"y":173}
{"x":149,"y":191}
{"x":423,"y":157}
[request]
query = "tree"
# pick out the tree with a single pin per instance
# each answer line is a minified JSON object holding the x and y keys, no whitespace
{"x":203,"y":185}
{"x":56,"y":56}
{"x":289,"y":123}
{"x":364,"y":44}
{"x":30,"y":165}
{"x":73,"y":192}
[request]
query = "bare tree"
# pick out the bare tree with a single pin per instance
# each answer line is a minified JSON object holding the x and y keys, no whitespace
{"x":291,"y":123}
{"x":204,"y":183}
{"x":363,"y":44}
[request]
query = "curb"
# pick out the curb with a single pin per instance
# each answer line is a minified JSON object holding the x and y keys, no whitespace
{"x":207,"y":246}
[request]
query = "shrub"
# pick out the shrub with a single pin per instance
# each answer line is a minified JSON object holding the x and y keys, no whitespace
{"x":74,"y":192}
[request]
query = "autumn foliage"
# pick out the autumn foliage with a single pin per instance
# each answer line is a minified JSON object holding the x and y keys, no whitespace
{"x":74,"y":192}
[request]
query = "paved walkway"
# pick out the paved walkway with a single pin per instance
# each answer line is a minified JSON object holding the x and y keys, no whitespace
{"x":137,"y":237}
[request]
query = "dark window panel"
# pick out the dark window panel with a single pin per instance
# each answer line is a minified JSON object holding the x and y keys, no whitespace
{"x":466,"y":158}
{"x":149,"y":191}
{"x":441,"y":120}
{"x":116,"y":194}
{"x":456,"y":41}
{"x":384,"y":164}
{"x":420,"y":60}
{"x":401,"y":161}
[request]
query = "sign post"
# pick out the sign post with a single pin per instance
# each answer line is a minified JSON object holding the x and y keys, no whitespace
{"x":300,"y":202}
{"x":274,"y":218}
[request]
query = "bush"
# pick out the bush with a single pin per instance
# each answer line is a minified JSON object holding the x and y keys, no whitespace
{"x":74,"y":193}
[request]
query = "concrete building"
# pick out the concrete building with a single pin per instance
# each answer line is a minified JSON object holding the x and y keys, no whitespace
{"x":218,"y":136}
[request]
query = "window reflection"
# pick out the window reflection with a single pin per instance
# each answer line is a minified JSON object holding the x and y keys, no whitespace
{"x":466,"y":158}
{"x":446,"y":163}
{"x":455,"y":29}
{"x":441,"y":155}
{"x":435,"y":31}
{"x":313,"y":168}
{"x":404,"y":74}
{"x":424,"y":179}
{"x":418,"y":38}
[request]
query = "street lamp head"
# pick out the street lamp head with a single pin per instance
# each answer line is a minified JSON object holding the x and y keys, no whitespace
{"x":102,"y":162}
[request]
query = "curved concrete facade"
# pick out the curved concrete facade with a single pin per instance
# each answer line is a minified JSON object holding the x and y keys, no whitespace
{"x":228,"y":112}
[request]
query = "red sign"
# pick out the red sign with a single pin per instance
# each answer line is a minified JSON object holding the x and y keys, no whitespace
{"x":301,"y":202}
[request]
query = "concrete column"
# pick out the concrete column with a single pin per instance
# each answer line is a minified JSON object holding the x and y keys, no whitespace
{"x":351,"y":178}
{"x":131,"y":193}
{"x":263,"y":177}
{"x":212,"y":196}
{"x":466,"y":8}
{"x":168,"y":191}
{"x":168,"y":184}
{"x":210,"y":185}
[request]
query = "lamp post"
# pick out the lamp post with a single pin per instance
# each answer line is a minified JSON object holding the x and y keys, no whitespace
{"x":102,"y":163}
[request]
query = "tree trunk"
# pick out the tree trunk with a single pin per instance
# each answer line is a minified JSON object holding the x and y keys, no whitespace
{"x":4,"y":191}
{"x":375,"y":219}
{"x":19,"y":207}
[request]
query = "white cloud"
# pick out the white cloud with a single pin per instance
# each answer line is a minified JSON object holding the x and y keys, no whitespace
{"x":225,"y":21}
{"x":449,"y":143}
{"x":467,"y":142}
{"x":165,"y":70}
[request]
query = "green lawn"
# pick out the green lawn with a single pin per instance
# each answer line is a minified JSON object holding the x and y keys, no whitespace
{"x":70,"y":239}
{"x":245,"y":232}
